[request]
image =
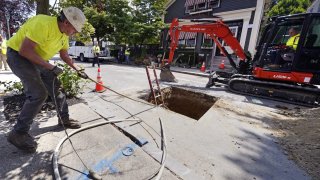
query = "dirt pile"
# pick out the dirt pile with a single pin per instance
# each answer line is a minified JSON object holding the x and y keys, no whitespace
{"x":299,"y":135}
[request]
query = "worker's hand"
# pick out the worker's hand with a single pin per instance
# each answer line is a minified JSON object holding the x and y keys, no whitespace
{"x":82,"y":74}
{"x":56,"y":70}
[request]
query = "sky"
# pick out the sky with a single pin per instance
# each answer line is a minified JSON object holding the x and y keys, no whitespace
{"x":51,"y":2}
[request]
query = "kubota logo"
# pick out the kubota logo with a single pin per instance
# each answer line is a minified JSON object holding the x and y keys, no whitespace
{"x":281,"y":77}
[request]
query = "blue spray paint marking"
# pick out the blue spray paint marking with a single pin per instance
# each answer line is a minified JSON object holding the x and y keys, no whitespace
{"x":106,"y":164}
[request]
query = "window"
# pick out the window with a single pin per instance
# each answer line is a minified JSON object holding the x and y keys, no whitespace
{"x":191,"y":42}
{"x":213,"y":3}
{"x":207,"y":41}
{"x":189,"y":5}
{"x":282,"y":32}
{"x":201,"y":6}
{"x":190,"y":38}
{"x":181,"y":41}
{"x":234,"y":31}
{"x":313,"y":36}
{"x":190,"y":9}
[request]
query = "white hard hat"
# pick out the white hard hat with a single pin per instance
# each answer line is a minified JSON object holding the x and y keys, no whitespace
{"x":75,"y":16}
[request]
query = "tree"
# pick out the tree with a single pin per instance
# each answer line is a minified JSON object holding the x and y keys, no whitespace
{"x":286,"y":7}
{"x":120,"y":16}
{"x":86,"y":33}
{"x":99,"y":20}
{"x":18,"y":12}
{"x":147,"y":21}
{"x":117,"y":21}
{"x":43,"y":7}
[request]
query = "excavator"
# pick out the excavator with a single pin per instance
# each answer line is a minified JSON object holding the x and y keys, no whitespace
{"x":277,"y":71}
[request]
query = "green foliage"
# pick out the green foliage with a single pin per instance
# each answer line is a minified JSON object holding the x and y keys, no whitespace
{"x":286,"y":7}
{"x":12,"y":86}
{"x":86,"y":33}
{"x":121,"y":23}
{"x":147,"y":21}
{"x":99,"y":20}
{"x":120,"y":16}
{"x":71,"y":83}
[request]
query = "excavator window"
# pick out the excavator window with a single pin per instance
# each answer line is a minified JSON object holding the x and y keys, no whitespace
{"x":313,"y":36}
{"x":283,"y":32}
{"x":284,"y":41}
{"x":309,"y":60}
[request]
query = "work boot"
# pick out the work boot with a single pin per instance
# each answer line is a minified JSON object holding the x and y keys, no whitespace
{"x":70,"y":123}
{"x":23,"y":141}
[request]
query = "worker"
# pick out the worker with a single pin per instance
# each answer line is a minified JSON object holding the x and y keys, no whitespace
{"x":29,"y":51}
{"x":96,"y":53}
{"x":120,"y":55}
{"x":3,"y":52}
{"x":286,"y":56}
{"x":294,"y":38}
{"x":127,"y":55}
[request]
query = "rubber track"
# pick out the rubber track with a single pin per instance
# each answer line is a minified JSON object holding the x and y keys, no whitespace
{"x":289,"y":93}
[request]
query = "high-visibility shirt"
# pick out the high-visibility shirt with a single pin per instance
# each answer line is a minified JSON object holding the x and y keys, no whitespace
{"x":126,"y":52}
{"x":44,"y":31}
{"x":96,"y":49}
{"x":4,"y":46}
{"x":293,"y":41}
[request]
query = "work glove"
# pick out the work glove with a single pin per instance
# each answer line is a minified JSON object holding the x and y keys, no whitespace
{"x":82,"y":74}
{"x":56,"y":70}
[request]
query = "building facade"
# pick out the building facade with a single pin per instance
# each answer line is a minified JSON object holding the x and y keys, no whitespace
{"x":242,"y":16}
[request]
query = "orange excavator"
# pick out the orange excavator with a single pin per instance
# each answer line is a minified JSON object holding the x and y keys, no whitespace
{"x":279,"y":70}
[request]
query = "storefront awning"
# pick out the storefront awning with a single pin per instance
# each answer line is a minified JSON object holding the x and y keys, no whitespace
{"x":181,"y":35}
{"x":189,"y":3}
{"x":190,"y":35}
{"x":199,"y":1}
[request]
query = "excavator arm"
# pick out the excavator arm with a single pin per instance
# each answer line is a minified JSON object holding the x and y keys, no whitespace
{"x":214,"y":29}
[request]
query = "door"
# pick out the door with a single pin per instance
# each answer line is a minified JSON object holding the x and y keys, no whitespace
{"x":309,"y":60}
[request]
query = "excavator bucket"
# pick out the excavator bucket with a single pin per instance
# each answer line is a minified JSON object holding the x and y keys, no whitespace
{"x":166,"y":75}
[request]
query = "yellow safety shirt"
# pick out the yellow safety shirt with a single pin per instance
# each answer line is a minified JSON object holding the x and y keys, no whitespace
{"x":4,"y":46}
{"x":293,"y":41}
{"x":96,"y":49}
{"x":44,"y":31}
{"x":126,"y":52}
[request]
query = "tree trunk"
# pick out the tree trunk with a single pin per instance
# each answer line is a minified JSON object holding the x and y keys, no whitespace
{"x":43,"y":7}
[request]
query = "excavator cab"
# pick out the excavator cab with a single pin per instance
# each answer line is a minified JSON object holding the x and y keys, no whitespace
{"x":289,"y":50}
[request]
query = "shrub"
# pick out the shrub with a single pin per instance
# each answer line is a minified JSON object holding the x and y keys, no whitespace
{"x":12,"y":86}
{"x":70,"y":81}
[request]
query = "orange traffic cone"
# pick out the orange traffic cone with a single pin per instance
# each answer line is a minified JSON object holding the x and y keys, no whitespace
{"x":99,"y":87}
{"x":203,"y":67}
{"x":221,"y":66}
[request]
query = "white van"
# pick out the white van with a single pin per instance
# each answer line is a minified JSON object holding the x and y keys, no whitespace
{"x":84,"y":52}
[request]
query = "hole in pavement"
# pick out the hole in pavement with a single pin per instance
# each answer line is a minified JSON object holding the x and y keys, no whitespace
{"x":188,"y":103}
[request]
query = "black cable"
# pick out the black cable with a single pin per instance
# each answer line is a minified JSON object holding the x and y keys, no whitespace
{"x":60,"y":120}
{"x":93,"y":174}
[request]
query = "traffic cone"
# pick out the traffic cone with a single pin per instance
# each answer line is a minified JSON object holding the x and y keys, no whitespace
{"x":203,"y":67}
{"x":99,"y":87}
{"x":221,"y":66}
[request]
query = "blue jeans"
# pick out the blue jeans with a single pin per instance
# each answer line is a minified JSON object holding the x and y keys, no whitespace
{"x":127,"y":59}
{"x":37,"y":83}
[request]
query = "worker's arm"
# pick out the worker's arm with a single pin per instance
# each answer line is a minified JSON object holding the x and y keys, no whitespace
{"x":66,"y":58}
{"x":27,"y":50}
